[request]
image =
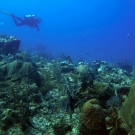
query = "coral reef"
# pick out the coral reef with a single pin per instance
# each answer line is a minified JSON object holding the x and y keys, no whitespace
{"x":44,"y":96}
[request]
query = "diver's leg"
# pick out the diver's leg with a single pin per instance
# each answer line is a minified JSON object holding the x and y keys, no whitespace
{"x":15,"y":21}
{"x":18,"y":18}
{"x":15,"y":18}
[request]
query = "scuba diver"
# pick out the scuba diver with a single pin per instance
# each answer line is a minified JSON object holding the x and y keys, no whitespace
{"x":29,"y":20}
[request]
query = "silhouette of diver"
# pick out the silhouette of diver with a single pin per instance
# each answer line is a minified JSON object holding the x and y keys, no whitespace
{"x":29,"y":20}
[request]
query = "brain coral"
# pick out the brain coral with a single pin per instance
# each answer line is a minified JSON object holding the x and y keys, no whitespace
{"x":92,"y":119}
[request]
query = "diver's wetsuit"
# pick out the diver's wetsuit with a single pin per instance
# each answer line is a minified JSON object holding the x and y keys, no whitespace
{"x":29,"y":20}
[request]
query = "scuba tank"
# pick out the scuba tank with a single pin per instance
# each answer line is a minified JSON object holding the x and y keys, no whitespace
{"x":30,"y":18}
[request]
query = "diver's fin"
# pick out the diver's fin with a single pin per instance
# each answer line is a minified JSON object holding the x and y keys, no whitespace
{"x":6,"y":12}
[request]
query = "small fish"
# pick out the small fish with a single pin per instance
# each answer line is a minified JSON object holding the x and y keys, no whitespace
{"x":113,"y":131}
{"x":128,"y":35}
{"x":84,"y":85}
{"x":71,"y":101}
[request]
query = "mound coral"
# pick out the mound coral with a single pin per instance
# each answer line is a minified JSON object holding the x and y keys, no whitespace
{"x":92,"y":119}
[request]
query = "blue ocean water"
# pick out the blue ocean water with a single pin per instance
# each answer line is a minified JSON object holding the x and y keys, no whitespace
{"x":87,"y":29}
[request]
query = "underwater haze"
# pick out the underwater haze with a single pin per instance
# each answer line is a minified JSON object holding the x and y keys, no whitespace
{"x":86,"y":29}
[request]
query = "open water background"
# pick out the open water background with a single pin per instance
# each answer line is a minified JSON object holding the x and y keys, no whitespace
{"x":88,"y":29}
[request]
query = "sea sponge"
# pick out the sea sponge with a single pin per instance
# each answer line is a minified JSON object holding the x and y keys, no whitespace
{"x":127,"y":112}
{"x":92,"y":119}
